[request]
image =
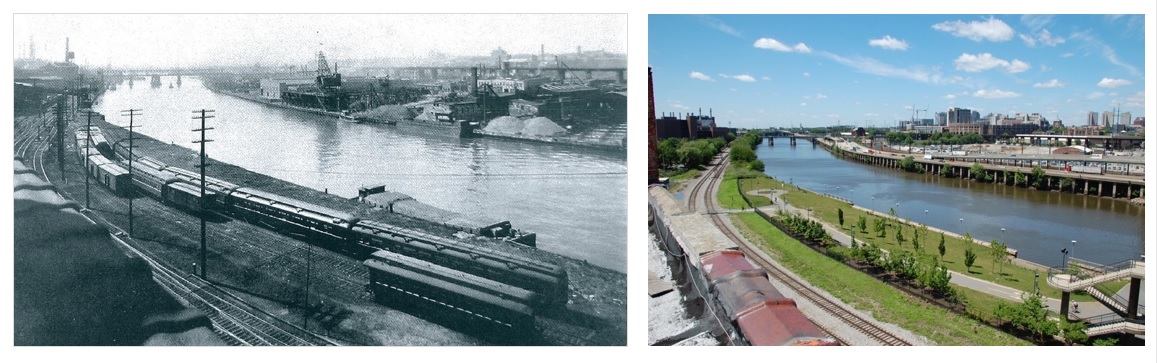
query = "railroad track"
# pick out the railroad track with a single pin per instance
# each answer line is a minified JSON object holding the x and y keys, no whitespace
{"x":831,"y":307}
{"x":234,"y":323}
{"x":697,"y":190}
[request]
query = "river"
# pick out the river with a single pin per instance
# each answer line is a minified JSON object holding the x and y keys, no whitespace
{"x":1037,"y":224}
{"x":573,"y":198}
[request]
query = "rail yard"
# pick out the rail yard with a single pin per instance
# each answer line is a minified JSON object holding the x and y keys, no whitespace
{"x":259,"y":257}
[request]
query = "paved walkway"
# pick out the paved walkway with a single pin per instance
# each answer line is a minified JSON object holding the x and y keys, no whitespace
{"x":1085,"y":309}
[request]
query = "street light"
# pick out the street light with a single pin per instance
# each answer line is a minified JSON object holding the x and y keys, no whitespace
{"x":1035,"y":285}
{"x":1073,"y":251}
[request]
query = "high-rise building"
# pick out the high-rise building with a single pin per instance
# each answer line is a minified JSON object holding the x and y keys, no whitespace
{"x":1106,"y":118}
{"x":1126,"y":118}
{"x":1092,"y":118}
{"x":942,"y":118}
{"x":962,"y":116}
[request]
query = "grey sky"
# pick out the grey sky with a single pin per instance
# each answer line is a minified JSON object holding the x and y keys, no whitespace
{"x":274,"y":39}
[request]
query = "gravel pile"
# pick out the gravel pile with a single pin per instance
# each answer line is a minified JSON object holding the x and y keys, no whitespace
{"x":386,"y":112}
{"x":541,"y":126}
{"x":505,"y":125}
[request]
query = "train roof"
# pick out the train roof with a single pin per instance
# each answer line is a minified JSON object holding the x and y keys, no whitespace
{"x":294,"y":203}
{"x":722,"y":263}
{"x":448,"y":274}
{"x":779,"y":325}
{"x":695,"y":232}
{"x":449,"y":286}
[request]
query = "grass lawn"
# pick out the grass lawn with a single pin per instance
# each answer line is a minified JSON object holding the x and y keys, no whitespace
{"x":868,"y":294}
{"x":677,"y":179}
{"x":984,"y":268}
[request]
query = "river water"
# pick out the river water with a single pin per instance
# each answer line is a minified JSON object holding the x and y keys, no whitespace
{"x":573,"y":198}
{"x":1037,"y":224}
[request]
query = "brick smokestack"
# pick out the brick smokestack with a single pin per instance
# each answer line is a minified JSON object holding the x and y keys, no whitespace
{"x":653,"y":135}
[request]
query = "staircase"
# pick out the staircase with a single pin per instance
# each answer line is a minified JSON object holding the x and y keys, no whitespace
{"x":1087,"y":274}
{"x":1113,"y":323}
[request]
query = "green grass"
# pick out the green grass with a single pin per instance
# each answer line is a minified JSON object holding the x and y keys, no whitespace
{"x":1112,"y":287}
{"x":868,"y":294}
{"x":824,"y":208}
{"x":676,"y":180}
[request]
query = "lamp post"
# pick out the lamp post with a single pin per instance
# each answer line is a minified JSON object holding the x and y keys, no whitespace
{"x":1073,"y":250}
{"x":1002,"y":236}
{"x":1035,"y":285}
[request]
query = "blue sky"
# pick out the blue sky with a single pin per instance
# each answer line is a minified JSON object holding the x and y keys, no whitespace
{"x":819,"y":70}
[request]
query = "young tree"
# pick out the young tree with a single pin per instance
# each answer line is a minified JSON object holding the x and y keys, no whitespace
{"x":840,"y":214}
{"x":881,"y":227}
{"x":862,"y":222}
{"x":996,"y":251}
{"x":977,"y":171}
{"x":942,"y":248}
{"x":969,"y":258}
{"x":900,"y":237}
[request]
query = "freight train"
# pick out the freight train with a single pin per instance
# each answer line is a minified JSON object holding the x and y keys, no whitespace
{"x":346,"y":232}
{"x":708,"y":266}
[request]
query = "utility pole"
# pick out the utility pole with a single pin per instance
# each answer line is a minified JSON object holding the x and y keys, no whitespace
{"x":87,"y":140}
{"x":131,"y":113}
{"x":201,"y":167}
{"x":60,"y":134}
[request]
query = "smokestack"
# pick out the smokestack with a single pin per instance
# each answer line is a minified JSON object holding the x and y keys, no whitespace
{"x":474,"y":84}
{"x":710,"y":113}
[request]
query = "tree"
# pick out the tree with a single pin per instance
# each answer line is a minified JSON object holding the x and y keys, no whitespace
{"x":1074,"y":332}
{"x":997,"y":251}
{"x":1020,"y":180}
{"x":908,"y":163}
{"x":881,"y":227}
{"x":862,"y":222}
{"x":1105,"y":342}
{"x":977,"y":171}
{"x":1038,"y":177}
{"x":742,"y":153}
{"x":946,"y":171}
{"x":942,"y":248}
{"x":916,"y":240}
{"x":840,"y":214}
{"x":900,"y":237}
{"x":756,"y":165}
{"x":969,"y":258}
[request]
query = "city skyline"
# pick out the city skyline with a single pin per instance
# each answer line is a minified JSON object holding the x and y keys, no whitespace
{"x":176,"y":40}
{"x":872,"y":70}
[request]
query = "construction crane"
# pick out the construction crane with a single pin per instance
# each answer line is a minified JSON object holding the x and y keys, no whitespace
{"x":916,"y":113}
{"x":576,"y":75}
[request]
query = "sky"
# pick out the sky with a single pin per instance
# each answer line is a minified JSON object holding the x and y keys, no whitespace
{"x":757,"y":71}
{"x":243,"y":39}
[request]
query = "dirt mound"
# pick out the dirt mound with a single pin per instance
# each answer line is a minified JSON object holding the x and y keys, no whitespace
{"x":505,"y":125}
{"x":541,"y":126}
{"x":386,"y":112}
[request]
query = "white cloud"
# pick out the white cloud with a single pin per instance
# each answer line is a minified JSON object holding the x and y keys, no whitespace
{"x":1113,"y":83}
{"x":1043,"y":36}
{"x":1054,"y":83}
{"x":679,"y":106}
{"x":875,"y":67}
{"x":995,"y":94}
{"x":806,"y":74}
{"x":1036,"y":22}
{"x":871,"y":114}
{"x":768,"y":43}
{"x":820,"y":96}
{"x":765,"y":78}
{"x":732,"y":90}
{"x":985,"y":61}
{"x":949,"y":96}
{"x":1044,"y":68}
{"x":1106,"y":51}
{"x":1095,"y":95}
{"x":888,"y":42}
{"x":1066,"y":55}
{"x":1046,"y":38}
{"x":701,"y":76}
{"x":719,"y":25}
{"x":1017,"y":66}
{"x":743,"y":78}
{"x":993,"y":29}
{"x":804,"y":104}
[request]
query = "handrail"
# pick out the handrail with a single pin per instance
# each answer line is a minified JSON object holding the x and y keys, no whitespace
{"x":1110,"y":318}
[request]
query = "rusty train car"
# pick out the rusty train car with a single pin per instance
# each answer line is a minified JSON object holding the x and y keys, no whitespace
{"x":708,"y":265}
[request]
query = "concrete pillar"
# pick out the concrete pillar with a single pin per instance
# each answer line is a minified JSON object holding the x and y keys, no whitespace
{"x":1086,"y":187}
{"x":1114,"y":195}
{"x":1100,"y":188}
{"x":1065,"y":304}
{"x":1134,"y":295}
{"x":620,"y":76}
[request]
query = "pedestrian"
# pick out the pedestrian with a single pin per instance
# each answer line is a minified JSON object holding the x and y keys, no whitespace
{"x":1075,"y":311}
